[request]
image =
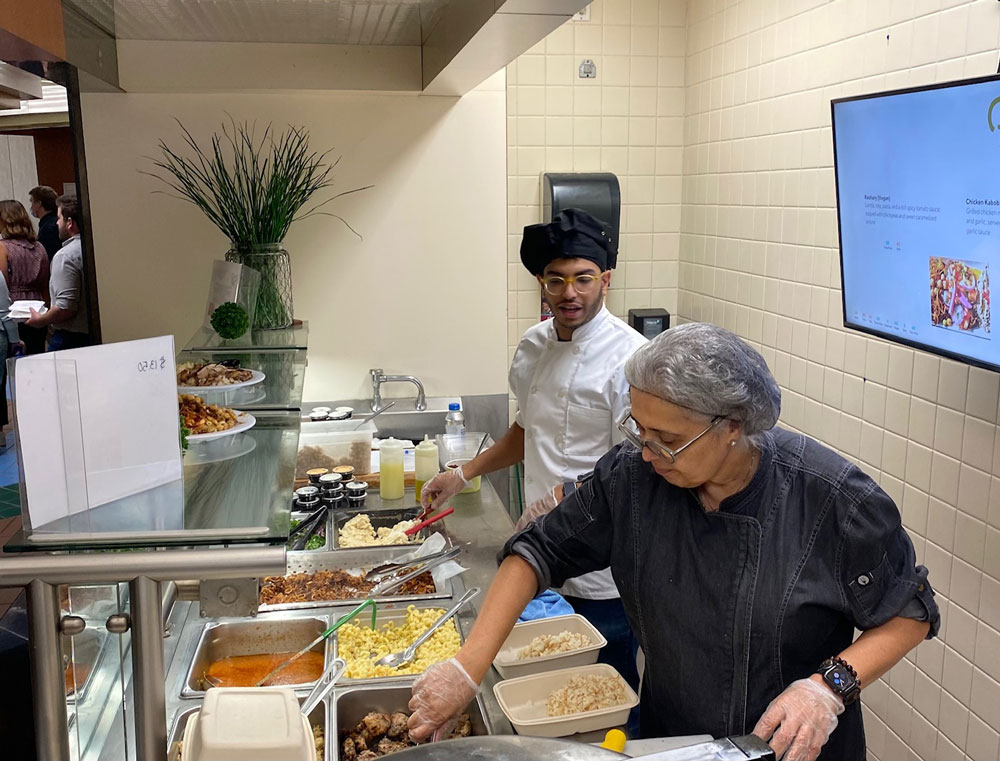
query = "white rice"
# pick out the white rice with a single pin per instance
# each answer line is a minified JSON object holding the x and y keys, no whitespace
{"x":587,"y":692}
{"x":550,"y":644}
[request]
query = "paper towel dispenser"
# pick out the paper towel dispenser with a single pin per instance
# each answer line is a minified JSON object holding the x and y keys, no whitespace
{"x":597,"y":193}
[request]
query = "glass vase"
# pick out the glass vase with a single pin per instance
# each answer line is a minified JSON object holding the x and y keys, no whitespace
{"x":274,"y":294}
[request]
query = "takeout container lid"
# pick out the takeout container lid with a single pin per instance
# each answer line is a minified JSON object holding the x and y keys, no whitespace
{"x":523,"y":701}
{"x":510,"y":667}
{"x":249,"y":724}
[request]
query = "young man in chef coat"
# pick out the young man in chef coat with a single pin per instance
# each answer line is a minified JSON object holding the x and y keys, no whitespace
{"x":568,"y":378}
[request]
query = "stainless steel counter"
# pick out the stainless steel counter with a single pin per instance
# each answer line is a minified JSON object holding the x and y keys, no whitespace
{"x":480,"y":524}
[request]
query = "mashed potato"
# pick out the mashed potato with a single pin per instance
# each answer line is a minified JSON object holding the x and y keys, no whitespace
{"x":359,"y":532}
{"x":361,"y":647}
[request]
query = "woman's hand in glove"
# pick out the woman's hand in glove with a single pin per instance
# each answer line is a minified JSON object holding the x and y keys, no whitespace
{"x":439,"y":696}
{"x":442,"y":487}
{"x":540,"y":507}
{"x":800,"y":720}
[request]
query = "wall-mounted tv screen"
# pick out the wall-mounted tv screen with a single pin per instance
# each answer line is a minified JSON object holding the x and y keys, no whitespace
{"x":918,"y":202}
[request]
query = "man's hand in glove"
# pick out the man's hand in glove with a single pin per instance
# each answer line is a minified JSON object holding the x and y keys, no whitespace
{"x":442,"y":487}
{"x":540,"y":507}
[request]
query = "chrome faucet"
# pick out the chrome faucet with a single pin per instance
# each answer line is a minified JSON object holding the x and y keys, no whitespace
{"x":378,"y":378}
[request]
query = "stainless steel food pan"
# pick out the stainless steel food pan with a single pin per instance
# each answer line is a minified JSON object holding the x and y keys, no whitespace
{"x":383,"y":519}
{"x":270,"y":635}
{"x":355,"y":561}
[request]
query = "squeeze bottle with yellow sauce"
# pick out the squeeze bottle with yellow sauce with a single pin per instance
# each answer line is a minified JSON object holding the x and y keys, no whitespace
{"x":390,"y":469}
{"x":426,"y":462}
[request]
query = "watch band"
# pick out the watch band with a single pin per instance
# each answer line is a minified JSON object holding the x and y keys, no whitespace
{"x":848,"y":692}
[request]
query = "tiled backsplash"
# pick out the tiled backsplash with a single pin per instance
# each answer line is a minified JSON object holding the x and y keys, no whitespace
{"x":758,"y":255}
{"x":627,"y":120}
{"x":715,"y":116}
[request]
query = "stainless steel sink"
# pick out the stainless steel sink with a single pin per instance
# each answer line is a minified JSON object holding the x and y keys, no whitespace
{"x":402,"y":420}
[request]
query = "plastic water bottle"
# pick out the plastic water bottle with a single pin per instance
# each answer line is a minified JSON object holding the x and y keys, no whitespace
{"x":455,"y":420}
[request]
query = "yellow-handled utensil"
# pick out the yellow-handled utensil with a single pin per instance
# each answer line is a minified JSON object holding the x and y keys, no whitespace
{"x":614,"y":740}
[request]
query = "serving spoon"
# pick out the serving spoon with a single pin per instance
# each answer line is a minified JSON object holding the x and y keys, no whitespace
{"x":405,"y":657}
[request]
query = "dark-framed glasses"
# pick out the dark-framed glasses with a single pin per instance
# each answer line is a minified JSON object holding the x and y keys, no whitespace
{"x":632,"y":432}
{"x":556,"y":286}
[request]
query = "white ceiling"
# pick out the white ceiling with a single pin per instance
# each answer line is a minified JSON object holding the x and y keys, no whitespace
{"x":343,"y":22}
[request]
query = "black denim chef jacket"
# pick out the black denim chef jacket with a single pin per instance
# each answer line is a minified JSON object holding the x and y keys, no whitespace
{"x":732,"y":606}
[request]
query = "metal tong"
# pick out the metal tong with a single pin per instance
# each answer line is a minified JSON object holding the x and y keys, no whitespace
{"x":425,"y":522}
{"x":407,"y":655}
{"x":315,"y":522}
{"x":324,"y":685}
{"x":382,"y":572}
{"x":425,"y":564}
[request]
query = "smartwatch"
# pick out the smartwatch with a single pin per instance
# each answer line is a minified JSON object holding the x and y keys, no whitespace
{"x":841,"y":678}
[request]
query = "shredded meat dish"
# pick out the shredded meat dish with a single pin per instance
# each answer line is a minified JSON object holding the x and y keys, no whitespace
{"x":210,"y":374}
{"x":331,"y":585}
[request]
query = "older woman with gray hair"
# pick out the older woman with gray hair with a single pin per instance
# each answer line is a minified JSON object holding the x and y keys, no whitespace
{"x":746,"y":557}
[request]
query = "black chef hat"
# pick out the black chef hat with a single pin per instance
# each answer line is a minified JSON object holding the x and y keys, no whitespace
{"x":572,"y":233}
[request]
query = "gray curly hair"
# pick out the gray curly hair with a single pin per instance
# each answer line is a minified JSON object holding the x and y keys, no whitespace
{"x":711,"y":371}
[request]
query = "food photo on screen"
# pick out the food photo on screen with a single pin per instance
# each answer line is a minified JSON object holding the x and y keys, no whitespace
{"x":960,"y":295}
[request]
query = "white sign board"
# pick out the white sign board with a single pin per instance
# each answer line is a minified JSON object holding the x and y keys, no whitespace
{"x":95,"y":425}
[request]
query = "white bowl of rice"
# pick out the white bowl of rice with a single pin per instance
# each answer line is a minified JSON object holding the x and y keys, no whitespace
{"x":549,"y":643}
{"x":566,"y":702}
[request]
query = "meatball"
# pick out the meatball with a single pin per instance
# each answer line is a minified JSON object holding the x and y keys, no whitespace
{"x":374,"y":725}
{"x":397,"y":725}
{"x":387,"y":746}
{"x":348,"y":750}
{"x":464,"y":726}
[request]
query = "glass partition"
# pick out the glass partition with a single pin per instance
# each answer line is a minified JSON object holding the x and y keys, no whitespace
{"x":235,"y":489}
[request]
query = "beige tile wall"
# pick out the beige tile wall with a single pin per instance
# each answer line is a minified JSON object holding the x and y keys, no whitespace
{"x":758,"y":254}
{"x":628,"y":120}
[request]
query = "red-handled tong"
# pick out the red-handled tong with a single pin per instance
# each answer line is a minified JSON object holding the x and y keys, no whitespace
{"x":423,"y":524}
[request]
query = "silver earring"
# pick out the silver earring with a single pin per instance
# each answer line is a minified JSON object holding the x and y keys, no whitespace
{"x":732,"y":443}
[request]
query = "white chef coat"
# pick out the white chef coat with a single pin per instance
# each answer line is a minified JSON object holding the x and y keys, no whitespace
{"x":570,"y":397}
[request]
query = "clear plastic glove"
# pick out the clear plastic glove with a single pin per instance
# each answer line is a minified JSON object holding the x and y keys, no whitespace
{"x":439,"y":695}
{"x":537,"y":509}
{"x":799,"y":721}
{"x":443,"y":487}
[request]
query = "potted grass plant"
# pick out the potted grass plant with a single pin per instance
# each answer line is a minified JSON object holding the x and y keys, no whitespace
{"x":253,"y":188}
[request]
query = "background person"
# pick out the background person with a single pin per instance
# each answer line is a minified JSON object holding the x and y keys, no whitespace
{"x":24,"y":267}
{"x":43,"y":208}
{"x":747,"y":556}
{"x":67,"y":313}
{"x":8,"y":341}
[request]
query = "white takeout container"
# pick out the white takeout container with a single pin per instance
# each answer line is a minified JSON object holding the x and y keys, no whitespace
{"x":249,"y":724}
{"x":523,"y":701}
{"x":510,"y":667}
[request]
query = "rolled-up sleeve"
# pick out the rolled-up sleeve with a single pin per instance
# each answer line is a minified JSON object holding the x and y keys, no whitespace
{"x":64,"y":285}
{"x":576,"y":536}
{"x":879,"y":575}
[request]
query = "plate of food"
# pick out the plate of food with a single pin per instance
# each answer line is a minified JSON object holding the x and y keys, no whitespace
{"x":195,"y":377}
{"x":210,"y":421}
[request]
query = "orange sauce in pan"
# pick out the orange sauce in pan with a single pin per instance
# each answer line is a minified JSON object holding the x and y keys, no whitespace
{"x":247,"y":670}
{"x":73,"y":683}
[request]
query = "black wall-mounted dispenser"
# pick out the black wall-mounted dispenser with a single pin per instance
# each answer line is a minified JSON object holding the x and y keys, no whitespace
{"x":597,"y":193}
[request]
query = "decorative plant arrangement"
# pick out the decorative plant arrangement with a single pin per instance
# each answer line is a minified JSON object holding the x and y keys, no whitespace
{"x":253,"y":188}
{"x":230,"y":320}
